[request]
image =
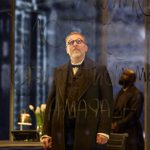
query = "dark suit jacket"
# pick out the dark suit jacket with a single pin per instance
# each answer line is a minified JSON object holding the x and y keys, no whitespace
{"x":127,"y":111}
{"x":94,"y":107}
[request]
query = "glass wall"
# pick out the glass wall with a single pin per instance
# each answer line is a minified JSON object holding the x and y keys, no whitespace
{"x":126,"y":36}
{"x":40,"y":29}
{"x":115,"y":34}
{"x":126,"y":39}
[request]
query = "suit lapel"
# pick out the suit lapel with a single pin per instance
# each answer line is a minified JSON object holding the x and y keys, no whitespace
{"x":88,"y":71}
{"x":62,"y":79}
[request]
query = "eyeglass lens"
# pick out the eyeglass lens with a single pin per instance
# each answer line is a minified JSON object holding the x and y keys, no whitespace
{"x":78,"y":41}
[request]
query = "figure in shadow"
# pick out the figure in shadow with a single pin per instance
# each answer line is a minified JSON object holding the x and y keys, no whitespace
{"x":128,"y":107}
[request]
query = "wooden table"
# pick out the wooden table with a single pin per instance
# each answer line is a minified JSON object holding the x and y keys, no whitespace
{"x":20,"y":145}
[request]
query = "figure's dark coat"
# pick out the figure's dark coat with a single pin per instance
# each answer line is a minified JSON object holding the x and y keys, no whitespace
{"x":127,"y":111}
{"x":94,"y":106}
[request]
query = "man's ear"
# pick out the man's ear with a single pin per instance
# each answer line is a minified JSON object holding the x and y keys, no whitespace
{"x":67,"y":50}
{"x":86,"y":48}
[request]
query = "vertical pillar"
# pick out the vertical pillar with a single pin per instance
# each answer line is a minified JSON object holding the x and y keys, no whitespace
{"x":147,"y":71}
{"x":102,"y":21}
{"x":101,"y":31}
{"x":12,"y":17}
{"x":103,"y":38}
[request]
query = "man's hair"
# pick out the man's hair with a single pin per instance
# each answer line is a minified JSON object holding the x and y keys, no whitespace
{"x":72,"y":33}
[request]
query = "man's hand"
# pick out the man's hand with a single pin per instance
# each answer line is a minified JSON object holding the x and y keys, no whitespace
{"x":101,"y":139}
{"x":47,"y":143}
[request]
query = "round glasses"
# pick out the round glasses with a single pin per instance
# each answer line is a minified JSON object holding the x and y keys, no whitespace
{"x":78,"y":41}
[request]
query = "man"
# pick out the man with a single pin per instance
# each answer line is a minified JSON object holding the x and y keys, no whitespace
{"x":78,"y":114}
{"x":127,"y":110}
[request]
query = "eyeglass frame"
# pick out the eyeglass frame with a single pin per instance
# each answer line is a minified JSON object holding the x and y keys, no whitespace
{"x":78,"y":41}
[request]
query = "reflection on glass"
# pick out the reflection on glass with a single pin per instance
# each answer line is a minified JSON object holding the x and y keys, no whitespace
{"x":40,"y":28}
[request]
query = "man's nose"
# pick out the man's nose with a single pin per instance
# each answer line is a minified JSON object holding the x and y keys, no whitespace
{"x":75,"y":42}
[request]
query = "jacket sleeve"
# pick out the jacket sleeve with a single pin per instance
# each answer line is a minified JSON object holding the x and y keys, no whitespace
{"x":50,"y":104}
{"x":106,"y":103}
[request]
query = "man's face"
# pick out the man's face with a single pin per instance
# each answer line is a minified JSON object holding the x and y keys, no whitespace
{"x":76,"y":46}
{"x":124,"y":79}
{"x":127,"y":78}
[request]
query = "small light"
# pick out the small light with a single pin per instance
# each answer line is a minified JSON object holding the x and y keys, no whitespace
{"x":24,"y":120}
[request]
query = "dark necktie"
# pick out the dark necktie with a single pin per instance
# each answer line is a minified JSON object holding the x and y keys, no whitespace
{"x":78,"y":66}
